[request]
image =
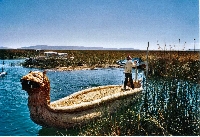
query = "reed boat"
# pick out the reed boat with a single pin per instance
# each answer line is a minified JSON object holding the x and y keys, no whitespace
{"x":78,"y":108}
{"x":139,"y":63}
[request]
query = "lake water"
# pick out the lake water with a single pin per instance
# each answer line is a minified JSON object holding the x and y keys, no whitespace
{"x":14,"y":113}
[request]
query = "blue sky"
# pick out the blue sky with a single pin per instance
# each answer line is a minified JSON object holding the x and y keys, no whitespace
{"x":100,"y":23}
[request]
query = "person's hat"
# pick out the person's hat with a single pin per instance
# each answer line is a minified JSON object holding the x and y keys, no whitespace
{"x":129,"y":57}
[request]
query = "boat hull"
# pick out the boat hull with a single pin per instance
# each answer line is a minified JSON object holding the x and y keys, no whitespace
{"x":84,"y":106}
{"x":2,"y":74}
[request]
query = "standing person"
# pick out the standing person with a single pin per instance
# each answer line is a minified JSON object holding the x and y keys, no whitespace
{"x":128,"y":72}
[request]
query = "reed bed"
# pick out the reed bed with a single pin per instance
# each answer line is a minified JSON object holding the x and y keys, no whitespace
{"x":166,"y":108}
{"x":173,"y":104}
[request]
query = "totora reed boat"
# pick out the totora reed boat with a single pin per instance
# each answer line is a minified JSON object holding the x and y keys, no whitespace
{"x":76,"y":109}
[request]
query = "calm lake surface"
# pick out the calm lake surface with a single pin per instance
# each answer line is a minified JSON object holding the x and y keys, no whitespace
{"x":14,"y":113}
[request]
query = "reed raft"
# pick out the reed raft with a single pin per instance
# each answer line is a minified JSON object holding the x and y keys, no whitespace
{"x":76,"y":109}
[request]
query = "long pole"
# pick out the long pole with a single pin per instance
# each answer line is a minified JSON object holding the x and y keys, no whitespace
{"x":179,"y":46}
{"x":145,"y":97}
{"x":136,"y":73}
{"x":147,"y":60}
{"x":147,"y":65}
{"x":194,"y":45}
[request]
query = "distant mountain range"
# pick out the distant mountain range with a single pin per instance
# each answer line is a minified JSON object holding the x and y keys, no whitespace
{"x":46,"y":47}
{"x":3,"y":47}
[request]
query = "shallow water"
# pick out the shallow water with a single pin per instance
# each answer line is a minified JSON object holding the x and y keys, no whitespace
{"x":14,"y":116}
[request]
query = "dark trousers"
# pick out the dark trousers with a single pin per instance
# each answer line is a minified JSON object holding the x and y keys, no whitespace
{"x":128,"y":76}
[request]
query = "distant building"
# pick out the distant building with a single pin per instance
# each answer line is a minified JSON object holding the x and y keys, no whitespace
{"x":50,"y":54}
{"x":55,"y":54}
{"x":62,"y":55}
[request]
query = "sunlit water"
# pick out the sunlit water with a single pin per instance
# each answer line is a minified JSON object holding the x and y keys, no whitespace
{"x":14,"y":113}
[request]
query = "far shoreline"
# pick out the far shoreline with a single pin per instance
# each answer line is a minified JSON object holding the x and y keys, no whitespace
{"x":84,"y":67}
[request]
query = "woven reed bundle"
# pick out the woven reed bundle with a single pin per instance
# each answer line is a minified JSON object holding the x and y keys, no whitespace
{"x":88,"y":98}
{"x":76,"y":109}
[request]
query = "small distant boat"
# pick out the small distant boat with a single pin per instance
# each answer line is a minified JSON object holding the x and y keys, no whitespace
{"x":76,"y":109}
{"x":3,"y":73}
{"x":140,"y":64}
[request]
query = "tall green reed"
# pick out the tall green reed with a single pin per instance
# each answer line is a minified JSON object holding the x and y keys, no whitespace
{"x":174,"y":104}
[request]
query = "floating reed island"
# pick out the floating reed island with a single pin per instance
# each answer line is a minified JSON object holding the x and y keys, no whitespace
{"x":77,"y":59}
{"x":76,"y":109}
{"x":161,"y":63}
